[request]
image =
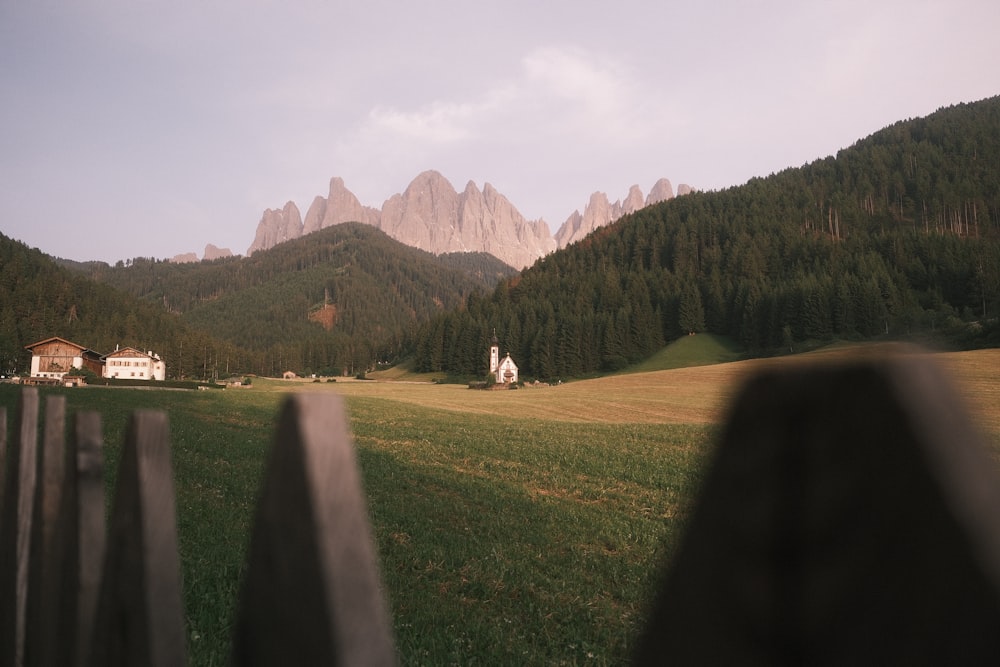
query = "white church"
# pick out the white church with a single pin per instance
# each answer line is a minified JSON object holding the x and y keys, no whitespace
{"x":505,"y":371}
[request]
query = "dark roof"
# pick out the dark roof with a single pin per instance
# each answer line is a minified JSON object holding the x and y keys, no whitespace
{"x":82,"y":349}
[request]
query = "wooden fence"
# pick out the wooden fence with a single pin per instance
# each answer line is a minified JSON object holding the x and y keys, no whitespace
{"x":73,"y":593}
{"x":851,"y":516}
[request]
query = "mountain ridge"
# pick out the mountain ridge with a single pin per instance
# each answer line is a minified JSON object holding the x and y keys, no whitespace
{"x":430,"y":214}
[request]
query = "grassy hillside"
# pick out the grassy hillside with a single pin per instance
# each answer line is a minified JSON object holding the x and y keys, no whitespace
{"x":686,"y":351}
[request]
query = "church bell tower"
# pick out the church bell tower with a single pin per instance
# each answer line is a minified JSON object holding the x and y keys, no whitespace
{"x":494,"y":353}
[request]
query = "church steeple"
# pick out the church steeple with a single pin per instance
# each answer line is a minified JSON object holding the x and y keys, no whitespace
{"x":494,"y":352}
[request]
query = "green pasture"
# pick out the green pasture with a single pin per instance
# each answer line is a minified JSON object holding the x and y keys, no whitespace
{"x":513,"y":527}
{"x":688,"y":351}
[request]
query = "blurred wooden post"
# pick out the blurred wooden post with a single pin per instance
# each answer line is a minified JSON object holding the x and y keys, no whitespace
{"x":15,"y":538}
{"x":47,"y":547}
{"x":84,"y":533}
{"x":312,"y":593}
{"x":851,"y":516}
{"x":3,"y":462}
{"x":140,"y":619}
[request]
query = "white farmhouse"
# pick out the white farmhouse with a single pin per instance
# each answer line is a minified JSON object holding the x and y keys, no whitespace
{"x":132,"y":364}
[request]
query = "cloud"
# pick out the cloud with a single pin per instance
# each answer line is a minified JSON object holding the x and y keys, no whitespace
{"x":591,"y":92}
{"x":437,"y":123}
{"x":558,"y":92}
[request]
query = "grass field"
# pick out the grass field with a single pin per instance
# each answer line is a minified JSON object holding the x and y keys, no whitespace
{"x":513,"y":527}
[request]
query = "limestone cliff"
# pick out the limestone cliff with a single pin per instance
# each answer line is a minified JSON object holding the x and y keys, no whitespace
{"x":339,"y":206}
{"x":214,"y":252}
{"x":662,"y":191}
{"x":277,"y":226}
{"x":430,"y":214}
{"x":425,"y":215}
{"x":211,"y":252}
{"x":600,"y":212}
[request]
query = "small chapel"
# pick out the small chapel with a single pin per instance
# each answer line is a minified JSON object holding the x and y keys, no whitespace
{"x":504,"y":370}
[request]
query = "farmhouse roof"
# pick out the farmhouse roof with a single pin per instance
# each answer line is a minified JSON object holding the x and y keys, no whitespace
{"x":57,"y":339}
{"x":128,"y":352}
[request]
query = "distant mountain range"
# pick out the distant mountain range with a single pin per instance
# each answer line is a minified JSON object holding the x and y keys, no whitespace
{"x":895,"y":236}
{"x":431,"y":215}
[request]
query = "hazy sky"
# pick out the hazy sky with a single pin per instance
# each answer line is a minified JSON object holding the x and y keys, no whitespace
{"x":151,"y":128}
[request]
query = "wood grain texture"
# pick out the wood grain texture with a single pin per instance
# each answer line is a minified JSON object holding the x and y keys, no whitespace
{"x":3,"y":460}
{"x":15,"y":540}
{"x":84,"y":533}
{"x":45,"y":596}
{"x":312,"y":593}
{"x":140,"y":619}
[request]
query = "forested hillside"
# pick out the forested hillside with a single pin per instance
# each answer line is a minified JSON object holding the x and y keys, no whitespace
{"x":336,"y":300}
{"x":896,"y":235}
{"x":40,"y":299}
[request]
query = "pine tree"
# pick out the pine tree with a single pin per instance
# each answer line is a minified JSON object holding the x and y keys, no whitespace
{"x":691,"y":312}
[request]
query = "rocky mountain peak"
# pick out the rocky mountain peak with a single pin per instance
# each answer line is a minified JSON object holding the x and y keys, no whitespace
{"x":662,"y":190}
{"x":214,"y":252}
{"x":599,"y":212}
{"x":211,"y":252}
{"x":277,"y":226}
{"x":339,"y":206}
{"x":633,"y":201}
{"x":424,"y":215}
{"x":430,"y":214}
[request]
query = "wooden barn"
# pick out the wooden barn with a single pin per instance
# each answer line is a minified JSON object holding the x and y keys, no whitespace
{"x":55,"y":357}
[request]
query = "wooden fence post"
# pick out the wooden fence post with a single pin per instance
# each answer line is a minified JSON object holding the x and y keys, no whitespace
{"x":3,"y":462}
{"x":851,"y":516}
{"x":312,"y":593}
{"x":140,"y":618}
{"x":45,"y":596}
{"x":15,"y":538}
{"x":84,"y":529}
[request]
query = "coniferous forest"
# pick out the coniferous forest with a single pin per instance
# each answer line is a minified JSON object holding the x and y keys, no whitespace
{"x":897,"y":235}
{"x":40,"y":299}
{"x":337,"y":301}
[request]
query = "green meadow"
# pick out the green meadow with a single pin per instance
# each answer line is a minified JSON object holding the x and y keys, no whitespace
{"x":513,"y":527}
